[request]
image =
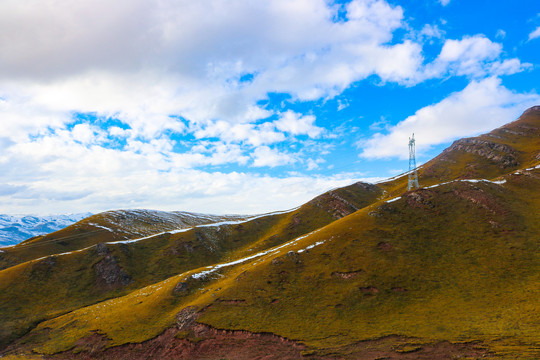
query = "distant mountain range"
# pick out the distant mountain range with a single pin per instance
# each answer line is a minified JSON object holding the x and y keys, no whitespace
{"x":450,"y":270}
{"x":17,"y":228}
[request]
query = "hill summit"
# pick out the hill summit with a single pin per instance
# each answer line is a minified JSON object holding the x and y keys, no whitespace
{"x":369,"y":271}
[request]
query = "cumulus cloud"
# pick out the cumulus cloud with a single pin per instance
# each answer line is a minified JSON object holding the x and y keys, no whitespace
{"x":431,"y":31}
{"x":480,"y":107}
{"x":296,"y":124}
{"x":266,"y":156}
{"x":129,"y":58}
{"x":473,"y":56}
{"x":142,"y":61}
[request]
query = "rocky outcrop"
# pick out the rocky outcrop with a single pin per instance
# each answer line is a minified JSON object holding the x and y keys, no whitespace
{"x":186,"y":319}
{"x":503,"y":155}
{"x":347,"y":275}
{"x":342,"y":202}
{"x":109,"y":275}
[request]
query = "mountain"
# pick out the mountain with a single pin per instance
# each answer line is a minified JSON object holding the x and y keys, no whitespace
{"x":369,"y":271}
{"x":17,"y":228}
{"x":110,"y":226}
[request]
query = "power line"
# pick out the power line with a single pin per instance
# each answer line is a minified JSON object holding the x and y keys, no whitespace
{"x":46,"y":242}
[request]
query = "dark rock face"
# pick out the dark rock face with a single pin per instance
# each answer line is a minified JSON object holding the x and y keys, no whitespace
{"x":367,"y":186}
{"x":44,"y":267}
{"x":109,"y":274}
{"x":503,"y":155}
{"x":339,"y":203}
{"x":181,"y":288}
{"x":102,"y":249}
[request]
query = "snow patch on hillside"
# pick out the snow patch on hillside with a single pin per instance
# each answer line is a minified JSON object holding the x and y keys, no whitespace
{"x":215,"y":224}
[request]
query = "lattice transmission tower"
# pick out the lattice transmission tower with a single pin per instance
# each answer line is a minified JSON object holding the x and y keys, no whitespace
{"x":413,"y":174}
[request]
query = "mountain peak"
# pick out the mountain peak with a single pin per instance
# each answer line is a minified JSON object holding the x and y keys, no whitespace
{"x":531,"y":110}
{"x":528,"y":123}
{"x":505,"y":149}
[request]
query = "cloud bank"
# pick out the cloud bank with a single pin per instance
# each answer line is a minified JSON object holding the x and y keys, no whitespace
{"x":142,"y":103}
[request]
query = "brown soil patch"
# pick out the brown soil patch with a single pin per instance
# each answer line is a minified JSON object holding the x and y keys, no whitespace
{"x":369,"y":290}
{"x":401,"y":348}
{"x":481,"y":198}
{"x":231,"y":301}
{"x":206,"y":343}
{"x":385,"y":246}
{"x":347,"y":275}
{"x":203,"y":343}
{"x":399,"y":289}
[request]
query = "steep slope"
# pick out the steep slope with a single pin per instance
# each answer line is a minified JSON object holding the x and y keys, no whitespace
{"x":66,"y":281}
{"x":15,"y":229}
{"x":451,"y":270}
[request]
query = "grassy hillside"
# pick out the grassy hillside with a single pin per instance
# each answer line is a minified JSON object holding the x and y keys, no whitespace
{"x":464,"y":268}
{"x":452,"y":267}
{"x":63,"y":283}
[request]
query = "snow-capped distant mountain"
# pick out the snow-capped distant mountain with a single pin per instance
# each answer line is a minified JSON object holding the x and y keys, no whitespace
{"x":17,"y":228}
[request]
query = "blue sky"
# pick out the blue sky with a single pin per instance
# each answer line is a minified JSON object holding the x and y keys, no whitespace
{"x":245,"y":106}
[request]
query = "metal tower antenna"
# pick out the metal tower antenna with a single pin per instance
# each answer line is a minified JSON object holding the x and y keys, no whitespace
{"x":413,"y":175}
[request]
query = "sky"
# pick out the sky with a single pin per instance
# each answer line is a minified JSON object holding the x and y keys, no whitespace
{"x":237,"y":106}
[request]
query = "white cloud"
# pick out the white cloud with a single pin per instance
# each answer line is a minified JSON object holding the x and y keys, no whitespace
{"x":252,"y":134}
{"x":535,"y":33}
{"x":266,"y":156}
{"x":444,"y":2}
{"x":128,"y":59}
{"x":116,"y":131}
{"x":431,"y":31}
{"x":91,"y":52}
{"x":171,"y":69}
{"x":296,"y":124}
{"x":480,"y":107}
{"x":508,"y":67}
{"x":314,"y":164}
{"x":83,"y":133}
{"x":466,"y":56}
{"x":342,"y":104}
{"x":474,"y":56}
{"x":501,"y":34}
{"x":473,"y":49}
